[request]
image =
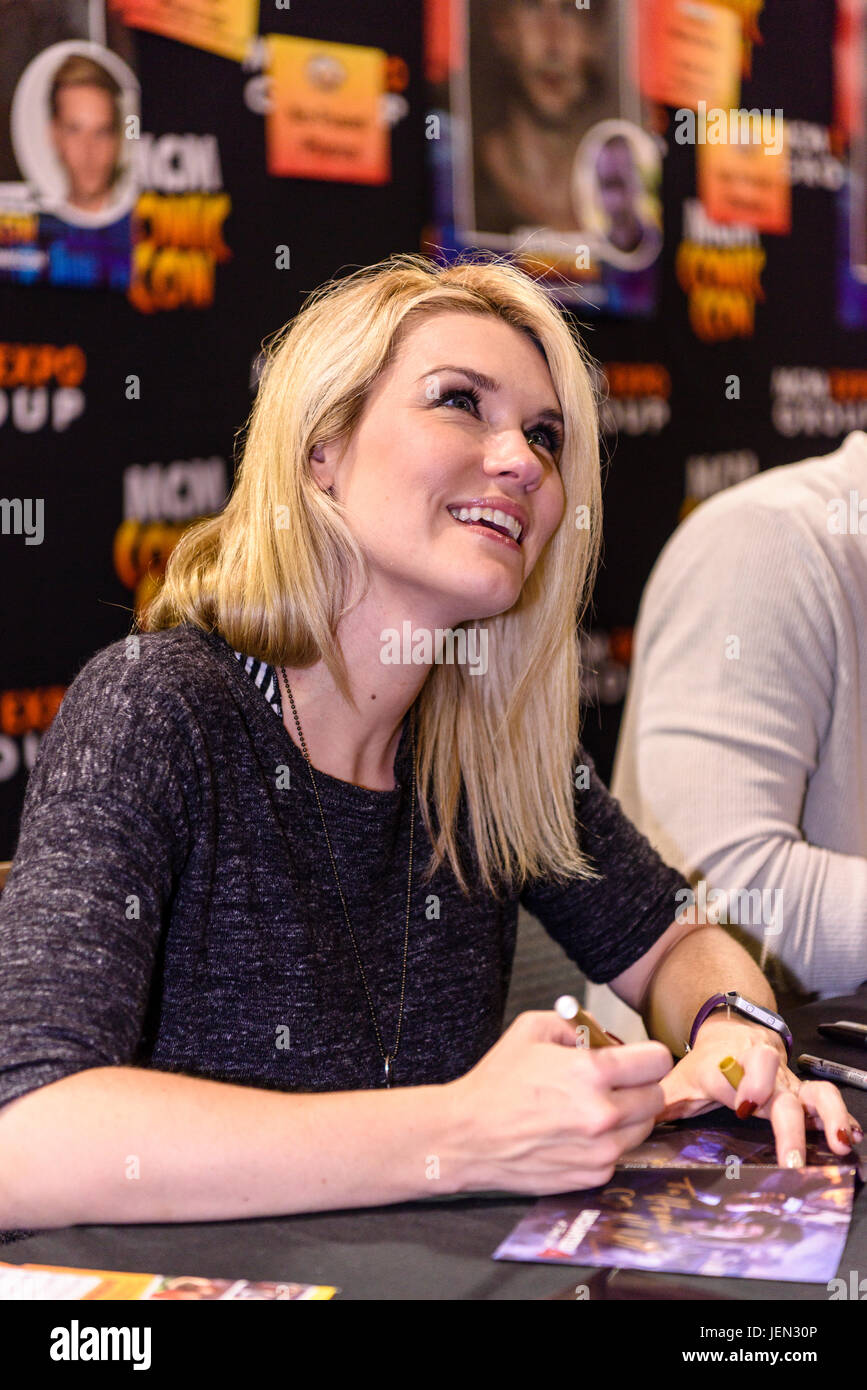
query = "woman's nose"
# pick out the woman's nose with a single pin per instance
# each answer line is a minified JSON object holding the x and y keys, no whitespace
{"x":511,"y":450}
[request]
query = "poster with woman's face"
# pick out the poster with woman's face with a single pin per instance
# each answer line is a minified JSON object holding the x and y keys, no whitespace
{"x":71,"y":118}
{"x":548,"y":153}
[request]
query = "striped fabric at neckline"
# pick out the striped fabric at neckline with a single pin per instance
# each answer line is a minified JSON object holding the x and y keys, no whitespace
{"x":265,"y":677}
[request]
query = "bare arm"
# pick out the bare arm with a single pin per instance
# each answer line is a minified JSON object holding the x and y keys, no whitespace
{"x":669,"y":984}
{"x":688,"y":964}
{"x":535,"y":1115}
{"x":701,"y":964}
{"x":212,"y":1151}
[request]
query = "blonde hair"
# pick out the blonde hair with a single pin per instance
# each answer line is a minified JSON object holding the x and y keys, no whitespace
{"x":274,"y":570}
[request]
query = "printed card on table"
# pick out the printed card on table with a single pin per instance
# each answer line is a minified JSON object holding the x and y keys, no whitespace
{"x":326,"y":117}
{"x":787,"y":1224}
{"x":670,"y":1146}
{"x":705,"y":1202}
{"x":33,"y":1282}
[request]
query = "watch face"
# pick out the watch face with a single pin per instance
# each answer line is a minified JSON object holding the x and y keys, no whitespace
{"x":756,"y":1011}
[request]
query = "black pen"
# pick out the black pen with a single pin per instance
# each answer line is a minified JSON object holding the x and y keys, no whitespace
{"x":833,"y":1071}
{"x":844,"y":1031}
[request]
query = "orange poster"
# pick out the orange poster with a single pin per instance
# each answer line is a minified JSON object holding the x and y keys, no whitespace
{"x":689,"y":51}
{"x":748,"y":181}
{"x":437,"y":40}
{"x":326,"y":115}
{"x":219,"y":26}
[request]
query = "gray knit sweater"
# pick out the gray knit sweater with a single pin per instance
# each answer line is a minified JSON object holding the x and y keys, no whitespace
{"x":172,"y":904}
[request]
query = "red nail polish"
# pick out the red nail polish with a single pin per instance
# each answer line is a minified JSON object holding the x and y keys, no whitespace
{"x":845,"y":1137}
{"x":745,"y":1109}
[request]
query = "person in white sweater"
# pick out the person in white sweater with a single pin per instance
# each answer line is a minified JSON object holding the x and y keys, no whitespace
{"x":743,"y":748}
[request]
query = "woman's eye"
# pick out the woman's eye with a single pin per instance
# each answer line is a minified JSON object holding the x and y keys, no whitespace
{"x":551,"y":438}
{"x":460,"y":395}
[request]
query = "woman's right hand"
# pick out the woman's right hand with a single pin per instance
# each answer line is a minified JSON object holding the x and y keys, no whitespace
{"x":539,"y":1115}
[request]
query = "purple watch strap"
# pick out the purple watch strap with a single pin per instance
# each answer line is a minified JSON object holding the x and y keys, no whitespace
{"x":718,"y":1001}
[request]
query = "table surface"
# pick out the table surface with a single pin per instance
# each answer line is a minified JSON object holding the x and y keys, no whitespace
{"x":440,"y":1248}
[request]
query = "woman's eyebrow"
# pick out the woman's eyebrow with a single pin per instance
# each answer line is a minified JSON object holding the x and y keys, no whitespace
{"x":484,"y":383}
{"x":487,"y":383}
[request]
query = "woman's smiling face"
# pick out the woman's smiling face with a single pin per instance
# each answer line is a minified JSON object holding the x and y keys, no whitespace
{"x":434,"y":438}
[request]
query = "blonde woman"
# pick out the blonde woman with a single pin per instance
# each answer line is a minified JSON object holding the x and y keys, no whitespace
{"x":256,"y":940}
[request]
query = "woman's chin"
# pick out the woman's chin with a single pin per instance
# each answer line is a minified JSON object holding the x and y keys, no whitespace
{"x":487,"y":600}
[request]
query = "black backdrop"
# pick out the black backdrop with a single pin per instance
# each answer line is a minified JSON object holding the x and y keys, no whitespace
{"x":64,"y":598}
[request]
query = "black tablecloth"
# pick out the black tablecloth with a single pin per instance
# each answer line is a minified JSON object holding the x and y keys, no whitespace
{"x":440,"y":1248}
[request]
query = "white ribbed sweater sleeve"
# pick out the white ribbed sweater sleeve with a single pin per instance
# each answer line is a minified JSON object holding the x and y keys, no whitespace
{"x":716,"y":750}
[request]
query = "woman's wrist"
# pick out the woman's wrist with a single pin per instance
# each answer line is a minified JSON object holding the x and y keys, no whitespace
{"x":460,"y":1161}
{"x":722,"y":1021}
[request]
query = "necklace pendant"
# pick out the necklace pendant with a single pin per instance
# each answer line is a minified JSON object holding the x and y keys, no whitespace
{"x":388,"y":1072}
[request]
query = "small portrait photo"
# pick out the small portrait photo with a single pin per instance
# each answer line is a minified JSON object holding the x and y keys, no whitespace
{"x":538,"y":74}
{"x":616,"y":189}
{"x":70,"y":123}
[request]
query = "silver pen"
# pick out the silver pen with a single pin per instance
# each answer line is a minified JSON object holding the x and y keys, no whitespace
{"x":833,"y":1071}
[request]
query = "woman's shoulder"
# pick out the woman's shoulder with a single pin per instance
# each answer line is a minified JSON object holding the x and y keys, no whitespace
{"x":145,"y":689}
{"x":174,"y":660}
{"x":130,"y":724}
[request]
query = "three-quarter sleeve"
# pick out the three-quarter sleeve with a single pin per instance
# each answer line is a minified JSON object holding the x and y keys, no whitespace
{"x":106,"y":826}
{"x":608,"y":923}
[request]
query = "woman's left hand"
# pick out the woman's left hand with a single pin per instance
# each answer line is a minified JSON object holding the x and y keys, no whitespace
{"x":769,"y":1089}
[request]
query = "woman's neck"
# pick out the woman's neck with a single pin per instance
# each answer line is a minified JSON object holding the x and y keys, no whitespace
{"x":354,"y":746}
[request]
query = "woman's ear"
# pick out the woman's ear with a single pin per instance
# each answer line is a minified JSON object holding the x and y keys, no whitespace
{"x":323,"y":458}
{"x":317,"y":455}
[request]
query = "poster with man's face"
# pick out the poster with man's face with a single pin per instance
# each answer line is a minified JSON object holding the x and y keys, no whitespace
{"x":66,"y":105}
{"x":548,"y":152}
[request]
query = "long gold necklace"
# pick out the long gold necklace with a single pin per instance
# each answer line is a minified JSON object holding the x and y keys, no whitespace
{"x":387,"y":1057}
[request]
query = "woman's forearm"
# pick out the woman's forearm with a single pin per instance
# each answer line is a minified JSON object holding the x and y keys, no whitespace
{"x":704,"y":962}
{"x":123,"y":1144}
